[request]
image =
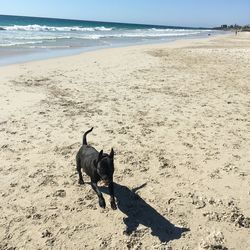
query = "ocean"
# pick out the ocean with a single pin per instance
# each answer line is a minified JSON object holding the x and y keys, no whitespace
{"x":30,"y":38}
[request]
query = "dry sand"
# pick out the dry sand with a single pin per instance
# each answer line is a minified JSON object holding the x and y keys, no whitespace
{"x":178,"y":117}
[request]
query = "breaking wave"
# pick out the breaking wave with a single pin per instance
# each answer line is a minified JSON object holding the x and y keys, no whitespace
{"x":36,"y":27}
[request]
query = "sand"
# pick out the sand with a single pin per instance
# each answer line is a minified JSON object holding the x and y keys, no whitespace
{"x":178,"y":118}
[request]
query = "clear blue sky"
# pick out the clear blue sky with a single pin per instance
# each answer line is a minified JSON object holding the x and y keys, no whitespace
{"x":205,"y":13}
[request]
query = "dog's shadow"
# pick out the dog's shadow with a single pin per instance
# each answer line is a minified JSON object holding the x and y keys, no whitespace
{"x":139,"y":212}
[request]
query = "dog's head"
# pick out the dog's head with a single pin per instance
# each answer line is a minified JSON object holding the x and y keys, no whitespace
{"x":105,"y":166}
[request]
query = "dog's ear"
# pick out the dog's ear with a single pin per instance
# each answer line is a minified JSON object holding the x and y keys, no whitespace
{"x":100,"y":155}
{"x":112,"y":153}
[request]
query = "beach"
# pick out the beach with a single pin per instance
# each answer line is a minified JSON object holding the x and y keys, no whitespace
{"x":178,"y":117}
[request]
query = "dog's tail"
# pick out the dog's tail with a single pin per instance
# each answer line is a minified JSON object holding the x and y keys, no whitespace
{"x":84,"y":141}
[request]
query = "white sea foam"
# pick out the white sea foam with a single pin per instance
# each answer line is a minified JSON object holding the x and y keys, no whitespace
{"x":134,"y":35}
{"x":142,"y":34}
{"x":152,"y":34}
{"x":49,"y":47}
{"x":12,"y":44}
{"x":169,"y":30}
{"x":32,"y":36}
{"x":37,"y":38}
{"x":36,"y":27}
{"x":176,"y":30}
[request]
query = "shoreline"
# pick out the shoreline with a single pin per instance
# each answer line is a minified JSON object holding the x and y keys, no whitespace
{"x":46,"y":54}
{"x":177,"y":116}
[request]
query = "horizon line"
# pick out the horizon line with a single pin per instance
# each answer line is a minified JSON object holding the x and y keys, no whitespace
{"x":146,"y":24}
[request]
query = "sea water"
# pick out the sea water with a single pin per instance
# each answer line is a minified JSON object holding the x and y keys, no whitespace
{"x":27,"y":38}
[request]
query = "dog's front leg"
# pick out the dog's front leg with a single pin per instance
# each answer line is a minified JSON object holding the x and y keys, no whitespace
{"x":112,"y":198}
{"x":98,"y":192}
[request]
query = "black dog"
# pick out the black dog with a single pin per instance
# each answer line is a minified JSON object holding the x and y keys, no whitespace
{"x":98,"y":166}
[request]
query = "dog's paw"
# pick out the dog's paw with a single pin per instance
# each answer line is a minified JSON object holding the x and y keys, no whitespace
{"x":113,"y":205}
{"x":102,"y":203}
{"x":81,"y":182}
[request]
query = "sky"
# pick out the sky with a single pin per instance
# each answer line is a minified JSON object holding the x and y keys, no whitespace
{"x":195,"y":13}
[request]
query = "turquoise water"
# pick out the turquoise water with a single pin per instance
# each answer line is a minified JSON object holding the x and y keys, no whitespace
{"x":25,"y":21}
{"x":48,"y":36}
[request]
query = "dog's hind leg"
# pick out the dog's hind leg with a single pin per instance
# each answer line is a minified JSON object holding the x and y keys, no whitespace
{"x":78,"y":167}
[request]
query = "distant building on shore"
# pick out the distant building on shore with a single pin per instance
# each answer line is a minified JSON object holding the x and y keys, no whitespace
{"x":233,"y":27}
